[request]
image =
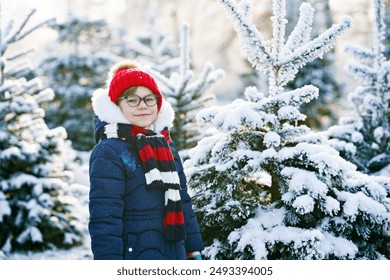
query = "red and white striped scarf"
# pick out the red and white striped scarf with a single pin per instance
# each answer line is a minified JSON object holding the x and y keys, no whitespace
{"x":160,"y":170}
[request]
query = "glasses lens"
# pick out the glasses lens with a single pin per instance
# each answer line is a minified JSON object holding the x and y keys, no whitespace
{"x":150,"y":100}
{"x":133,"y":100}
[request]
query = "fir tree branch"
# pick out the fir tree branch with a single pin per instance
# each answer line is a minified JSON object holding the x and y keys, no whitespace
{"x":301,"y":33}
{"x":379,"y":32}
{"x":160,"y":77}
{"x":298,"y":96}
{"x":20,"y":33}
{"x":206,"y":78}
{"x":184,"y":50}
{"x":278,"y":28}
{"x":249,"y":36}
{"x":317,"y":47}
{"x":363,"y":73}
{"x":364,"y":55}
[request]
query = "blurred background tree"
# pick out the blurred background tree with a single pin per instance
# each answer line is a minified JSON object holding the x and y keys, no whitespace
{"x":75,"y":67}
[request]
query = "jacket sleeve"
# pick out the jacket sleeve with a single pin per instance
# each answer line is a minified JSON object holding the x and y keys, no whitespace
{"x":194,"y":240}
{"x":98,"y":125}
{"x":106,"y":203}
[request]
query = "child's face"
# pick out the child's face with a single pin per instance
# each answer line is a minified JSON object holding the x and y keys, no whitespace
{"x":141,"y":115}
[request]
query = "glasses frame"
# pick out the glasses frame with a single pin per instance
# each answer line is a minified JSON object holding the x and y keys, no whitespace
{"x":140,"y":99}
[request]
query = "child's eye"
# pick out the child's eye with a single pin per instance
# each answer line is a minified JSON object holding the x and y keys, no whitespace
{"x":132,"y":100}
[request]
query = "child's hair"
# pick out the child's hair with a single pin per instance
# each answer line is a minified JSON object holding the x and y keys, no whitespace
{"x":128,"y":92}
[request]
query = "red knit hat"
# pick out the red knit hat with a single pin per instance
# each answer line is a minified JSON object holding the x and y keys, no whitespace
{"x":125,"y":78}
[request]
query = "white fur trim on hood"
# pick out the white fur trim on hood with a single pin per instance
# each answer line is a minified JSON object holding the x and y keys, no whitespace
{"x":109,"y":112}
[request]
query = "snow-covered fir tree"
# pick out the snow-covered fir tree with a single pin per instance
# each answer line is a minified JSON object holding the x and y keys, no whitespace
{"x":75,"y":68}
{"x":322,"y":111}
{"x":154,"y":48}
{"x":264,"y":186}
{"x":187,"y":95}
{"x":37,"y":207}
{"x":364,"y":137}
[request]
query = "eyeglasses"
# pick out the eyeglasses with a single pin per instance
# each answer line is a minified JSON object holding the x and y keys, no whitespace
{"x":134,"y":100}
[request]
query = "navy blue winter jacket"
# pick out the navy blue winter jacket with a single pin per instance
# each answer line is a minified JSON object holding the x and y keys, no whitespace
{"x":126,"y":217}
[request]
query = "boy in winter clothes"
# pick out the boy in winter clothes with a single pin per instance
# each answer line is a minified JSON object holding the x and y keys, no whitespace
{"x":139,"y":205}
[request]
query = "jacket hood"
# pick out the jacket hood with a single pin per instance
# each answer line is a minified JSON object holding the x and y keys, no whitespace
{"x":108,"y":112}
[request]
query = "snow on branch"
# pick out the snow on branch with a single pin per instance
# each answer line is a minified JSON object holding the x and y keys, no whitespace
{"x":317,"y":47}
{"x":361,"y":72}
{"x":279,"y":22}
{"x":301,"y":33}
{"x":140,"y":48}
{"x":184,"y":49}
{"x":20,"y":32}
{"x":206,"y":79}
{"x":373,"y":58}
{"x":162,"y":45}
{"x":161,"y":78}
{"x":384,"y":78}
{"x":259,"y":54}
{"x":298,"y":96}
{"x":184,"y":82}
{"x":364,"y":55}
{"x":379,"y":29}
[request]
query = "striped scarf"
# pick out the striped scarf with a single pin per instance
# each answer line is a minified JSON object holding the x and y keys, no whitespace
{"x":160,"y":170}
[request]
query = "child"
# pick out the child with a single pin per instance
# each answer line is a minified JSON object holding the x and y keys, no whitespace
{"x":139,"y":205}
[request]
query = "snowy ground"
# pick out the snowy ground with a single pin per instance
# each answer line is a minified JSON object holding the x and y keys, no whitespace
{"x":78,"y":253}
